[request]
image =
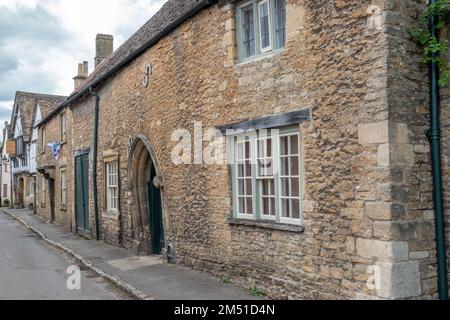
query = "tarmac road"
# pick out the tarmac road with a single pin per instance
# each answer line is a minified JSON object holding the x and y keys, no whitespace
{"x":32,"y":270}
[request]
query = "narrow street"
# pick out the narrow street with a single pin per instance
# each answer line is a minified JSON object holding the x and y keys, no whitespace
{"x":32,"y":270}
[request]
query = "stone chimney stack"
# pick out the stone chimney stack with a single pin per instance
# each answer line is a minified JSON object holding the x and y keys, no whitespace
{"x":83,"y":73}
{"x":104,"y":46}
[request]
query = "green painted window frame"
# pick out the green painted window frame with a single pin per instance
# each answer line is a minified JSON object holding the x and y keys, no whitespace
{"x":253,"y":137}
{"x":257,"y":29}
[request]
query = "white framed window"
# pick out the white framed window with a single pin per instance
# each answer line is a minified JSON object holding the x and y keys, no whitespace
{"x":261,"y":27}
{"x":244,"y":174}
{"x":265,"y":37}
{"x":266,"y":178}
{"x":112,"y":186}
{"x":267,"y":175}
{"x":30,"y":187}
{"x":63,"y":188}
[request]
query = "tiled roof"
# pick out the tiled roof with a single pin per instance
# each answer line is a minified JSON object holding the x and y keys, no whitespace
{"x":25,"y":103}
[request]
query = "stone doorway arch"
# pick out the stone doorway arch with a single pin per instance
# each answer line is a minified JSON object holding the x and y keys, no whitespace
{"x":147,"y":205}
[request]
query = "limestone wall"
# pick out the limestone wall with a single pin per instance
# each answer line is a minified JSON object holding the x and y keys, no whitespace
{"x":366,"y":206}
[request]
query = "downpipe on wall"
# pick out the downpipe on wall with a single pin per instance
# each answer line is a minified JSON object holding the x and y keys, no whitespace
{"x":434,"y":134}
{"x":94,"y":162}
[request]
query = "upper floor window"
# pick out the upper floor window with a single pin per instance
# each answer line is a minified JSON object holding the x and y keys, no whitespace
{"x":261,"y":27}
{"x":63,"y":126}
{"x":43,"y":139}
{"x":266,"y":175}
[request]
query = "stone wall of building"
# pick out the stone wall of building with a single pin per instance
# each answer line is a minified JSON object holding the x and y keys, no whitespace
{"x":366,"y":206}
{"x":48,"y":167}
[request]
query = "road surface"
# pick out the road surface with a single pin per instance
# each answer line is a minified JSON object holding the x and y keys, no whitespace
{"x":30,"y":269}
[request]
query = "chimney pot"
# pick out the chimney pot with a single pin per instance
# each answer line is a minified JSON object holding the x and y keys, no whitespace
{"x":82,"y":74}
{"x":104,"y":46}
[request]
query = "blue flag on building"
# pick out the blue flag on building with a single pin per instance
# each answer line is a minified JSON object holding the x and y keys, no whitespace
{"x":56,"y":150}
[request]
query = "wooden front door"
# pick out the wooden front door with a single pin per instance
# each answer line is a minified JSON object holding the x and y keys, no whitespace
{"x":82,"y":194}
{"x":155,"y":215}
{"x":51,"y":188}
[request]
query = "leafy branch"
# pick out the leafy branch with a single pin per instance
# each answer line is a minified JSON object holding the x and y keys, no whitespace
{"x":434,"y":48}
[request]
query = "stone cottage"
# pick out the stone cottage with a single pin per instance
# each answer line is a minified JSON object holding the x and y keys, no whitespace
{"x":53,"y":186}
{"x":27,"y":106}
{"x":322,"y":106}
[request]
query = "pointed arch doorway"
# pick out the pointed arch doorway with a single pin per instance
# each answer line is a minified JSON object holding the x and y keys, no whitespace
{"x":147,"y":213}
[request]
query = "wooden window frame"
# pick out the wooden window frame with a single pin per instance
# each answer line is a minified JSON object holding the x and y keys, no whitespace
{"x":254,"y":136}
{"x":259,"y":51}
{"x":108,"y":187}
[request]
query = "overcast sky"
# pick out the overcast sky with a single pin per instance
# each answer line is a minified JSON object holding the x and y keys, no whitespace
{"x":42,"y":41}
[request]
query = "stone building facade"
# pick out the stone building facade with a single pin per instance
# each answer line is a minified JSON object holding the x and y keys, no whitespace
{"x":23,"y":134}
{"x":54,"y":187}
{"x":347,"y":82}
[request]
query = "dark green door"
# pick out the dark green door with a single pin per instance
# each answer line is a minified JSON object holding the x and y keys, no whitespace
{"x":82,"y":193}
{"x":155,"y":212}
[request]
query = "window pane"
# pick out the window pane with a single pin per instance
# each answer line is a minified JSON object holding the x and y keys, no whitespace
{"x":248,"y":168}
{"x":272,"y":206}
{"x":294,"y":144}
{"x":247,"y":151}
{"x":240,"y":151}
{"x":284,"y":166}
{"x":294,"y":166}
{"x":280,"y":9}
{"x":241,"y":187}
{"x":295,"y":187}
{"x":265,"y":187}
{"x":264,"y":24}
{"x":249,"y":187}
{"x":249,"y":205}
{"x":295,"y":209}
{"x":272,"y":187}
{"x":266,"y":208}
{"x":285,"y":208}
{"x":248,"y":31}
{"x":284,"y":146}
{"x":241,"y":170}
{"x":241,"y":205}
{"x":285,"y":187}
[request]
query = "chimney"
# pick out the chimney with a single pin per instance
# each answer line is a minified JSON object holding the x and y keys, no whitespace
{"x":104,"y":46}
{"x":83,"y":72}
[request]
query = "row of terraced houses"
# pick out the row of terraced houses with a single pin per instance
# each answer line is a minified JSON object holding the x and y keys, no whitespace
{"x":321,"y":108}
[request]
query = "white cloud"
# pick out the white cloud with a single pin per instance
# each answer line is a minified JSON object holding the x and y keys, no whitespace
{"x":41,"y":42}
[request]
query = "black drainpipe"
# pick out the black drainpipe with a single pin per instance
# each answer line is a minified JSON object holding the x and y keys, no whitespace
{"x":434,"y":134}
{"x":94,"y":162}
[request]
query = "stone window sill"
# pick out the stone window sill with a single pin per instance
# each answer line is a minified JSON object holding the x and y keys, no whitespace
{"x":112,"y":215}
{"x":259,"y":57}
{"x":267,"y":225}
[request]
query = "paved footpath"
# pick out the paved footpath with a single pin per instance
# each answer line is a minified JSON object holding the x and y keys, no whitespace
{"x":142,"y":277}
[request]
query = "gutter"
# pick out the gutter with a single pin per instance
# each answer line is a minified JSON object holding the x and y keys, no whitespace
{"x":203,"y":4}
{"x":434,"y":134}
{"x":94,"y":162}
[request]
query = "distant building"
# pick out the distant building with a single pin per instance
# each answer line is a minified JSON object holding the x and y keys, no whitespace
{"x":5,"y":171}
{"x":27,"y":111}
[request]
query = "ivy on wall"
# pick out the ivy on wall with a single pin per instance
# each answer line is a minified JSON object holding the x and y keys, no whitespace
{"x":434,"y":49}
